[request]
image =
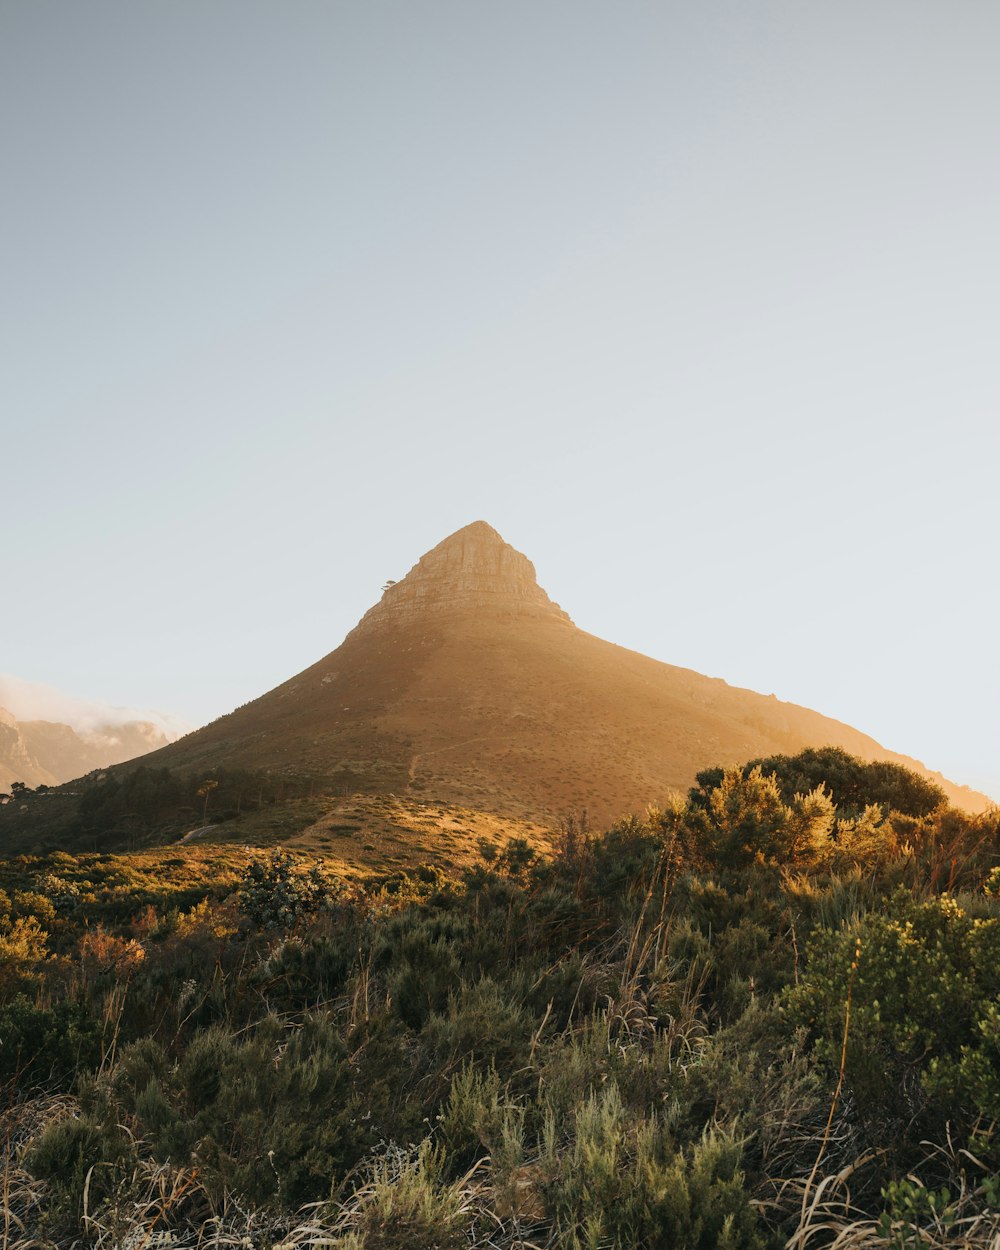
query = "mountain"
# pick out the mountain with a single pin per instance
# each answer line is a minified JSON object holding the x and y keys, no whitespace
{"x":468,"y":684}
{"x":17,"y":763}
{"x":40,"y":751}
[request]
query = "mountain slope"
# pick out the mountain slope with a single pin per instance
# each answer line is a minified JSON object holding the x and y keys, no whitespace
{"x":466,"y":682}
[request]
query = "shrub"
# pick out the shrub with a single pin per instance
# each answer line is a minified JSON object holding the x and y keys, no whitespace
{"x":23,"y":949}
{"x":923,"y":1021}
{"x":745,"y":820}
{"x":621,"y":1182}
{"x":77,"y":1154}
{"x":270,"y":1115}
{"x":272,"y":894}
{"x":854,"y":784}
{"x":408,"y":1203}
{"x":47,"y":1045}
{"x":483,"y":1022}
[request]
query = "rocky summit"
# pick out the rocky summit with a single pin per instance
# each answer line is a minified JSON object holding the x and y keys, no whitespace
{"x":473,"y":570}
{"x":466,"y":683}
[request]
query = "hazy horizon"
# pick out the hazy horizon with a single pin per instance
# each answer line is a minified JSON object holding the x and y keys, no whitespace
{"x":697,"y":305}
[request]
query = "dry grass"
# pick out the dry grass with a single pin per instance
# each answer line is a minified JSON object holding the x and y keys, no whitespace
{"x":23,"y":1198}
{"x":963,"y":1218}
{"x":366,"y":833}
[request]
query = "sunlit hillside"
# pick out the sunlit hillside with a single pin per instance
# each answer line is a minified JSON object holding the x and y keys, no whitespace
{"x":758,"y":1016}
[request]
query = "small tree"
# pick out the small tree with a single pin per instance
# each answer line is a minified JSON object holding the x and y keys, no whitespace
{"x":205,"y":792}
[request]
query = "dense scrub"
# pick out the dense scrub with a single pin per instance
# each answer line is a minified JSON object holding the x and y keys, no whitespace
{"x":752,"y":1018}
{"x":128,"y":809}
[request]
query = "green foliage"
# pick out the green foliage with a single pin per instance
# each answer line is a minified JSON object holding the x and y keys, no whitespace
{"x":909,"y":1205}
{"x":408,"y":1203}
{"x":623,"y":1182}
{"x":472,"y":1113}
{"x":78,"y":1155}
{"x":923,"y":1022}
{"x":141,"y":806}
{"x":271,"y":1115}
{"x":23,"y":947}
{"x":272,"y":894}
{"x":853,"y":784}
{"x":746,"y":820}
{"x":482,"y":1022}
{"x":628,"y":1043}
{"x":47,"y":1045}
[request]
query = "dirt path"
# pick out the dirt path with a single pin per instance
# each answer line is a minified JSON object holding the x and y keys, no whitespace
{"x":454,"y":746}
{"x":196,"y":833}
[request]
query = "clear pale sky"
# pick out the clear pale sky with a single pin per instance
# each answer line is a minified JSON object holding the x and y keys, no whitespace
{"x":697,"y":303}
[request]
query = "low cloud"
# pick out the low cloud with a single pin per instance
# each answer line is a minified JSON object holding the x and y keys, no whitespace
{"x":28,"y":700}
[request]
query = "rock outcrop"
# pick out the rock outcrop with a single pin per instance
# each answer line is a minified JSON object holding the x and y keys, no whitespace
{"x":471,"y":570}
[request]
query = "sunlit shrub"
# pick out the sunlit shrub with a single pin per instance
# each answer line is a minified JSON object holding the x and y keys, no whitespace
{"x":922,"y":978}
{"x":621,"y":1182}
{"x":408,"y":1203}
{"x":272,"y":894}
{"x":23,"y":950}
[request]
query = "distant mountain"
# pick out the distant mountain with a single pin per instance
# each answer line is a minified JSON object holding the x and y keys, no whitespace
{"x":467,"y":683}
{"x":41,"y":751}
{"x":17,"y":763}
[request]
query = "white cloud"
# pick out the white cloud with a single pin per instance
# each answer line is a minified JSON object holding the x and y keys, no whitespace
{"x":27,"y":700}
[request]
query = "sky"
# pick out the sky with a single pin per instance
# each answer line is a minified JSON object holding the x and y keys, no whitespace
{"x":697,"y":303}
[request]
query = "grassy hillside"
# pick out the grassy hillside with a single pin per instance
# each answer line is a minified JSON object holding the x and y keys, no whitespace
{"x":757,"y":1017}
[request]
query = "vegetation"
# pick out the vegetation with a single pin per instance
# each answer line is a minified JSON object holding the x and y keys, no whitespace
{"x":763,"y":1015}
{"x":126,"y":810}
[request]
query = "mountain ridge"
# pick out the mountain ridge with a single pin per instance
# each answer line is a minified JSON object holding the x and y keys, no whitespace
{"x":44,"y":752}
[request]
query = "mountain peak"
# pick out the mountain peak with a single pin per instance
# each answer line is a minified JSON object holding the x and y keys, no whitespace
{"x":475,"y":531}
{"x":470,"y":570}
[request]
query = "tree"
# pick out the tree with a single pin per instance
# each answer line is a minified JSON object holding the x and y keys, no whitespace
{"x":853,"y":783}
{"x":205,"y":792}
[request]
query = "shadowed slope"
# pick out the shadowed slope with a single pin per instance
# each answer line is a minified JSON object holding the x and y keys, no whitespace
{"x":467,"y":682}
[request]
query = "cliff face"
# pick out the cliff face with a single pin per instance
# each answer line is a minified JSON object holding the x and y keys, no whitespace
{"x":40,"y":752}
{"x":473,"y":570}
{"x":17,"y":762}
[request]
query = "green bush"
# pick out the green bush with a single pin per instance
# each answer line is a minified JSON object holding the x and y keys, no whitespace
{"x":621,"y":1182}
{"x":409,"y":1204}
{"x":273,"y":894}
{"x":271,"y":1115}
{"x":923,"y":978}
{"x":482,"y":1022}
{"x":77,"y":1155}
{"x":854,"y":784}
{"x":47,"y":1046}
